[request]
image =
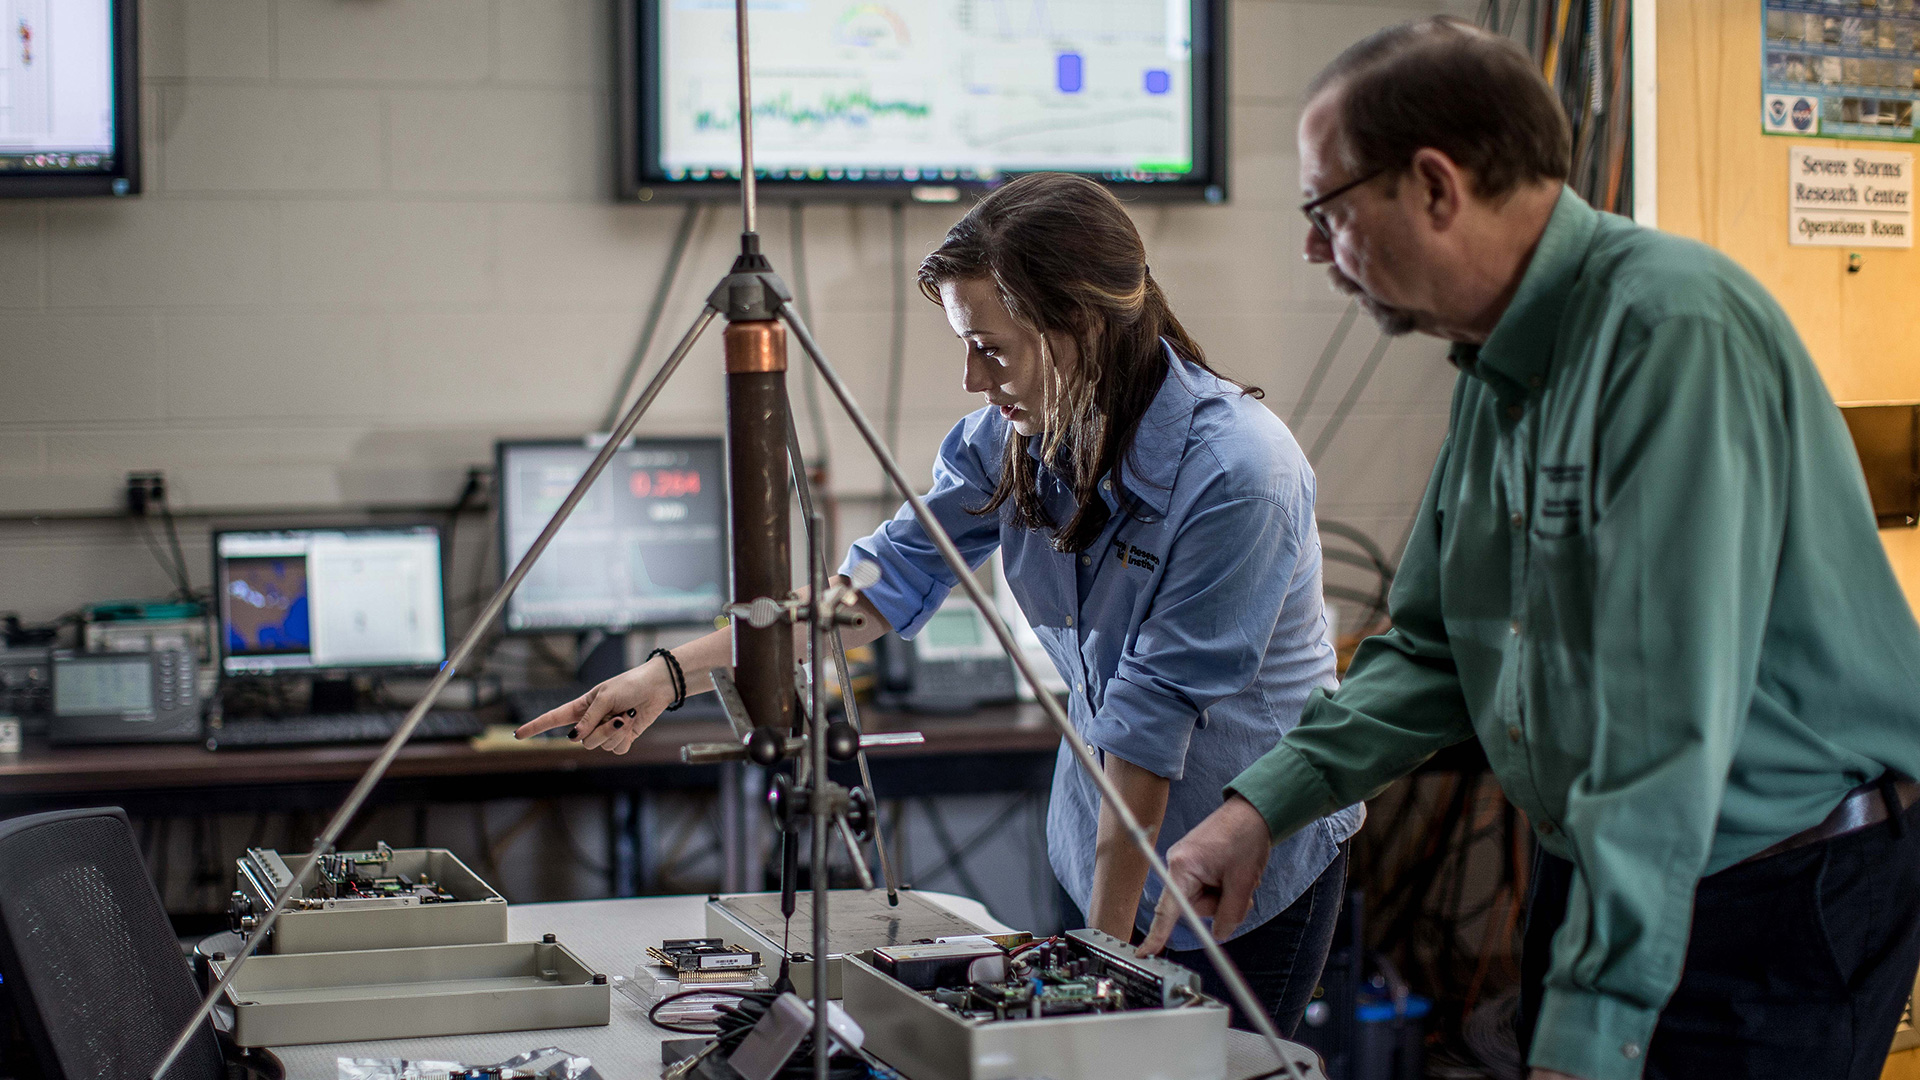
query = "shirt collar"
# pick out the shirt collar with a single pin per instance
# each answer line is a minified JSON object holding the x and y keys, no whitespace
{"x":1520,"y":349}
{"x":1150,"y":466}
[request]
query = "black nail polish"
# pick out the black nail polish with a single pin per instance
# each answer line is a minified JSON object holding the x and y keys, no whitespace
{"x":574,"y":732}
{"x":633,"y":712}
{"x":619,"y":723}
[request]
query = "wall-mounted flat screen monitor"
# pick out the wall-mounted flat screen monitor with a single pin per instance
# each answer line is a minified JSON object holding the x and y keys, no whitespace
{"x":69,"y":94}
{"x":646,"y":546}
{"x":924,"y":99}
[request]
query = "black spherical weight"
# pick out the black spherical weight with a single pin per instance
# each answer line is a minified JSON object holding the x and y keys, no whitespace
{"x":763,"y":747}
{"x":842,"y":743}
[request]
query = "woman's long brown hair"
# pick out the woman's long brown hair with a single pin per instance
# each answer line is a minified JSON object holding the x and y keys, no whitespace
{"x":1066,"y":259}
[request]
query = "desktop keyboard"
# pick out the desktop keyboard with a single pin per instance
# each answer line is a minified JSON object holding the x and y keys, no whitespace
{"x":244,"y":733}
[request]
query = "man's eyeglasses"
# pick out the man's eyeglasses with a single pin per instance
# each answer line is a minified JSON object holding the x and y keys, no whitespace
{"x":1315,"y":208}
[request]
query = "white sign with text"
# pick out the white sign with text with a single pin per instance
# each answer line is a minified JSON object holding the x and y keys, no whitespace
{"x":1849,"y":198}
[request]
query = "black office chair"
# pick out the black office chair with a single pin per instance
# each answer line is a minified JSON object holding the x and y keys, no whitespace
{"x":86,"y":952}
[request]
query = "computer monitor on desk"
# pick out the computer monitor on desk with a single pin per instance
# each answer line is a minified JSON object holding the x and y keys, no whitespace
{"x":329,"y":602}
{"x":646,"y":548}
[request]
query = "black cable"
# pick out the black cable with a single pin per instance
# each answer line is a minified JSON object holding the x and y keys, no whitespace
{"x":668,"y":273}
{"x":1323,"y":365}
{"x":1354,"y":389}
{"x":803,"y":301}
{"x":179,"y":559}
{"x":897,"y":355}
{"x":653,"y":1013}
{"x":167,"y":565}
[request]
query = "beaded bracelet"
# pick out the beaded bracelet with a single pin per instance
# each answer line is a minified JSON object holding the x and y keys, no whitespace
{"x":674,"y":675}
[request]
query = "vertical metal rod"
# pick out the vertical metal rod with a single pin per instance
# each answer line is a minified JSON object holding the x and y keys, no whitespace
{"x":804,"y":488}
{"x":731,"y":848}
{"x":324,"y":844}
{"x":822,"y":813}
{"x":748,"y":196}
{"x":1222,"y":964}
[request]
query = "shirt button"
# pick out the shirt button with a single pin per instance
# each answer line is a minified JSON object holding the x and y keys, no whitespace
{"x":1079,"y":688}
{"x":1069,"y":620}
{"x":1086,"y":560}
{"x":1514,"y":412}
{"x":1514,"y":626}
{"x":1106,"y":485}
{"x":1517,"y":520}
{"x":1630,"y":1051}
{"x":1513,"y":732}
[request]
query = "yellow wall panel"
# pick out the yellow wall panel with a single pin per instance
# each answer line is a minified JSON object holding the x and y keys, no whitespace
{"x":1723,"y":182}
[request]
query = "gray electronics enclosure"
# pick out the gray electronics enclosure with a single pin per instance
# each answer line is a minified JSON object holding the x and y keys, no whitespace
{"x":288,"y":1000}
{"x":926,"y":1041}
{"x":858,"y":921}
{"x":477,"y":915}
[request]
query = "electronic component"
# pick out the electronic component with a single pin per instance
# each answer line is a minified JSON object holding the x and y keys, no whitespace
{"x":703,"y":960}
{"x":385,"y":898}
{"x":858,"y":921}
{"x":151,"y":626}
{"x":1088,"y":971}
{"x":1079,"y":1007}
{"x":952,"y":665}
{"x":924,"y":967}
{"x":124,"y":697}
{"x":26,"y":685}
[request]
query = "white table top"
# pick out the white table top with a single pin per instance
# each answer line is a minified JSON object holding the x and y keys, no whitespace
{"x":612,"y":936}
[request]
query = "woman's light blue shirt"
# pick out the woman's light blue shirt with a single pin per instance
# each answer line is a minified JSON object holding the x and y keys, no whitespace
{"x":1190,"y":633}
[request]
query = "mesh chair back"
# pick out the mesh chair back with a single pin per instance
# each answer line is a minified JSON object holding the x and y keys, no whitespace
{"x":88,"y":954}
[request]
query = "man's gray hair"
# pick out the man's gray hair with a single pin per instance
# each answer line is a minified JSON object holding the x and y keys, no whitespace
{"x":1444,"y":83}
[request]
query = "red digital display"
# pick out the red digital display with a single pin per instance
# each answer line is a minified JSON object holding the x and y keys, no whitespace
{"x":664,"y":483}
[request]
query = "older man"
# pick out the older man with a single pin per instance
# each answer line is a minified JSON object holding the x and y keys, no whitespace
{"x":1644,"y":574}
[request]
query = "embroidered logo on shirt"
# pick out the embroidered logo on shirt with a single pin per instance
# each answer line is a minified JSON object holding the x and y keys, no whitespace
{"x":1560,"y":505}
{"x":1133,"y":556}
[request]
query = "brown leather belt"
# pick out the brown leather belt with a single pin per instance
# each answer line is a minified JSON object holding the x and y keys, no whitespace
{"x":1865,"y":805}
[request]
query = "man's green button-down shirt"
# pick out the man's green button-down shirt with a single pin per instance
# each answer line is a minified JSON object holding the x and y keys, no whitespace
{"x":1645,"y":574}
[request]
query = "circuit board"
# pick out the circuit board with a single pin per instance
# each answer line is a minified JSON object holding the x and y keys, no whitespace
{"x":1069,"y":976}
{"x":362,"y":875}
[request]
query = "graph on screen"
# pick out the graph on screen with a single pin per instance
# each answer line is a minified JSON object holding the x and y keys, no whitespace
{"x":931,"y":89}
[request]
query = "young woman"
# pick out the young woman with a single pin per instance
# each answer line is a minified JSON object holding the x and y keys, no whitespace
{"x":1157,"y":528}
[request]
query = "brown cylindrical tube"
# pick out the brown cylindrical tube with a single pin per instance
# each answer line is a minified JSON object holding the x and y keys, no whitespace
{"x":756,"y":345}
{"x":762,"y":537}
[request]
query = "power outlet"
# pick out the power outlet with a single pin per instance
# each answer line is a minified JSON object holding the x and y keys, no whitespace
{"x":144,"y":489}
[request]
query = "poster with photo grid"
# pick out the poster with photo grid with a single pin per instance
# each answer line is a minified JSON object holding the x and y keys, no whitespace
{"x":1840,"y":70}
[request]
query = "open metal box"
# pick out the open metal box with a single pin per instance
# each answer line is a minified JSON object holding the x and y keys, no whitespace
{"x":295,"y":998}
{"x":926,"y":1041}
{"x":315,"y":921}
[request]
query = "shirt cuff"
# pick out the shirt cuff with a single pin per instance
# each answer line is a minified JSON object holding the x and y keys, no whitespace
{"x":1150,"y":730}
{"x":1287,"y":790}
{"x":1592,"y":1036}
{"x":905,"y":595}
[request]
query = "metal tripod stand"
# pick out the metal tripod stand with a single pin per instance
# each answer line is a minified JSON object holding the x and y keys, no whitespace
{"x":763,"y":452}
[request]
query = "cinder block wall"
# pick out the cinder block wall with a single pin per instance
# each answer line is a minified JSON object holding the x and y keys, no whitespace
{"x":378,"y":234}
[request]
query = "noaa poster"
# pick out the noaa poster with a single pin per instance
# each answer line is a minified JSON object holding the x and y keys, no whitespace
{"x":1840,"y":70}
